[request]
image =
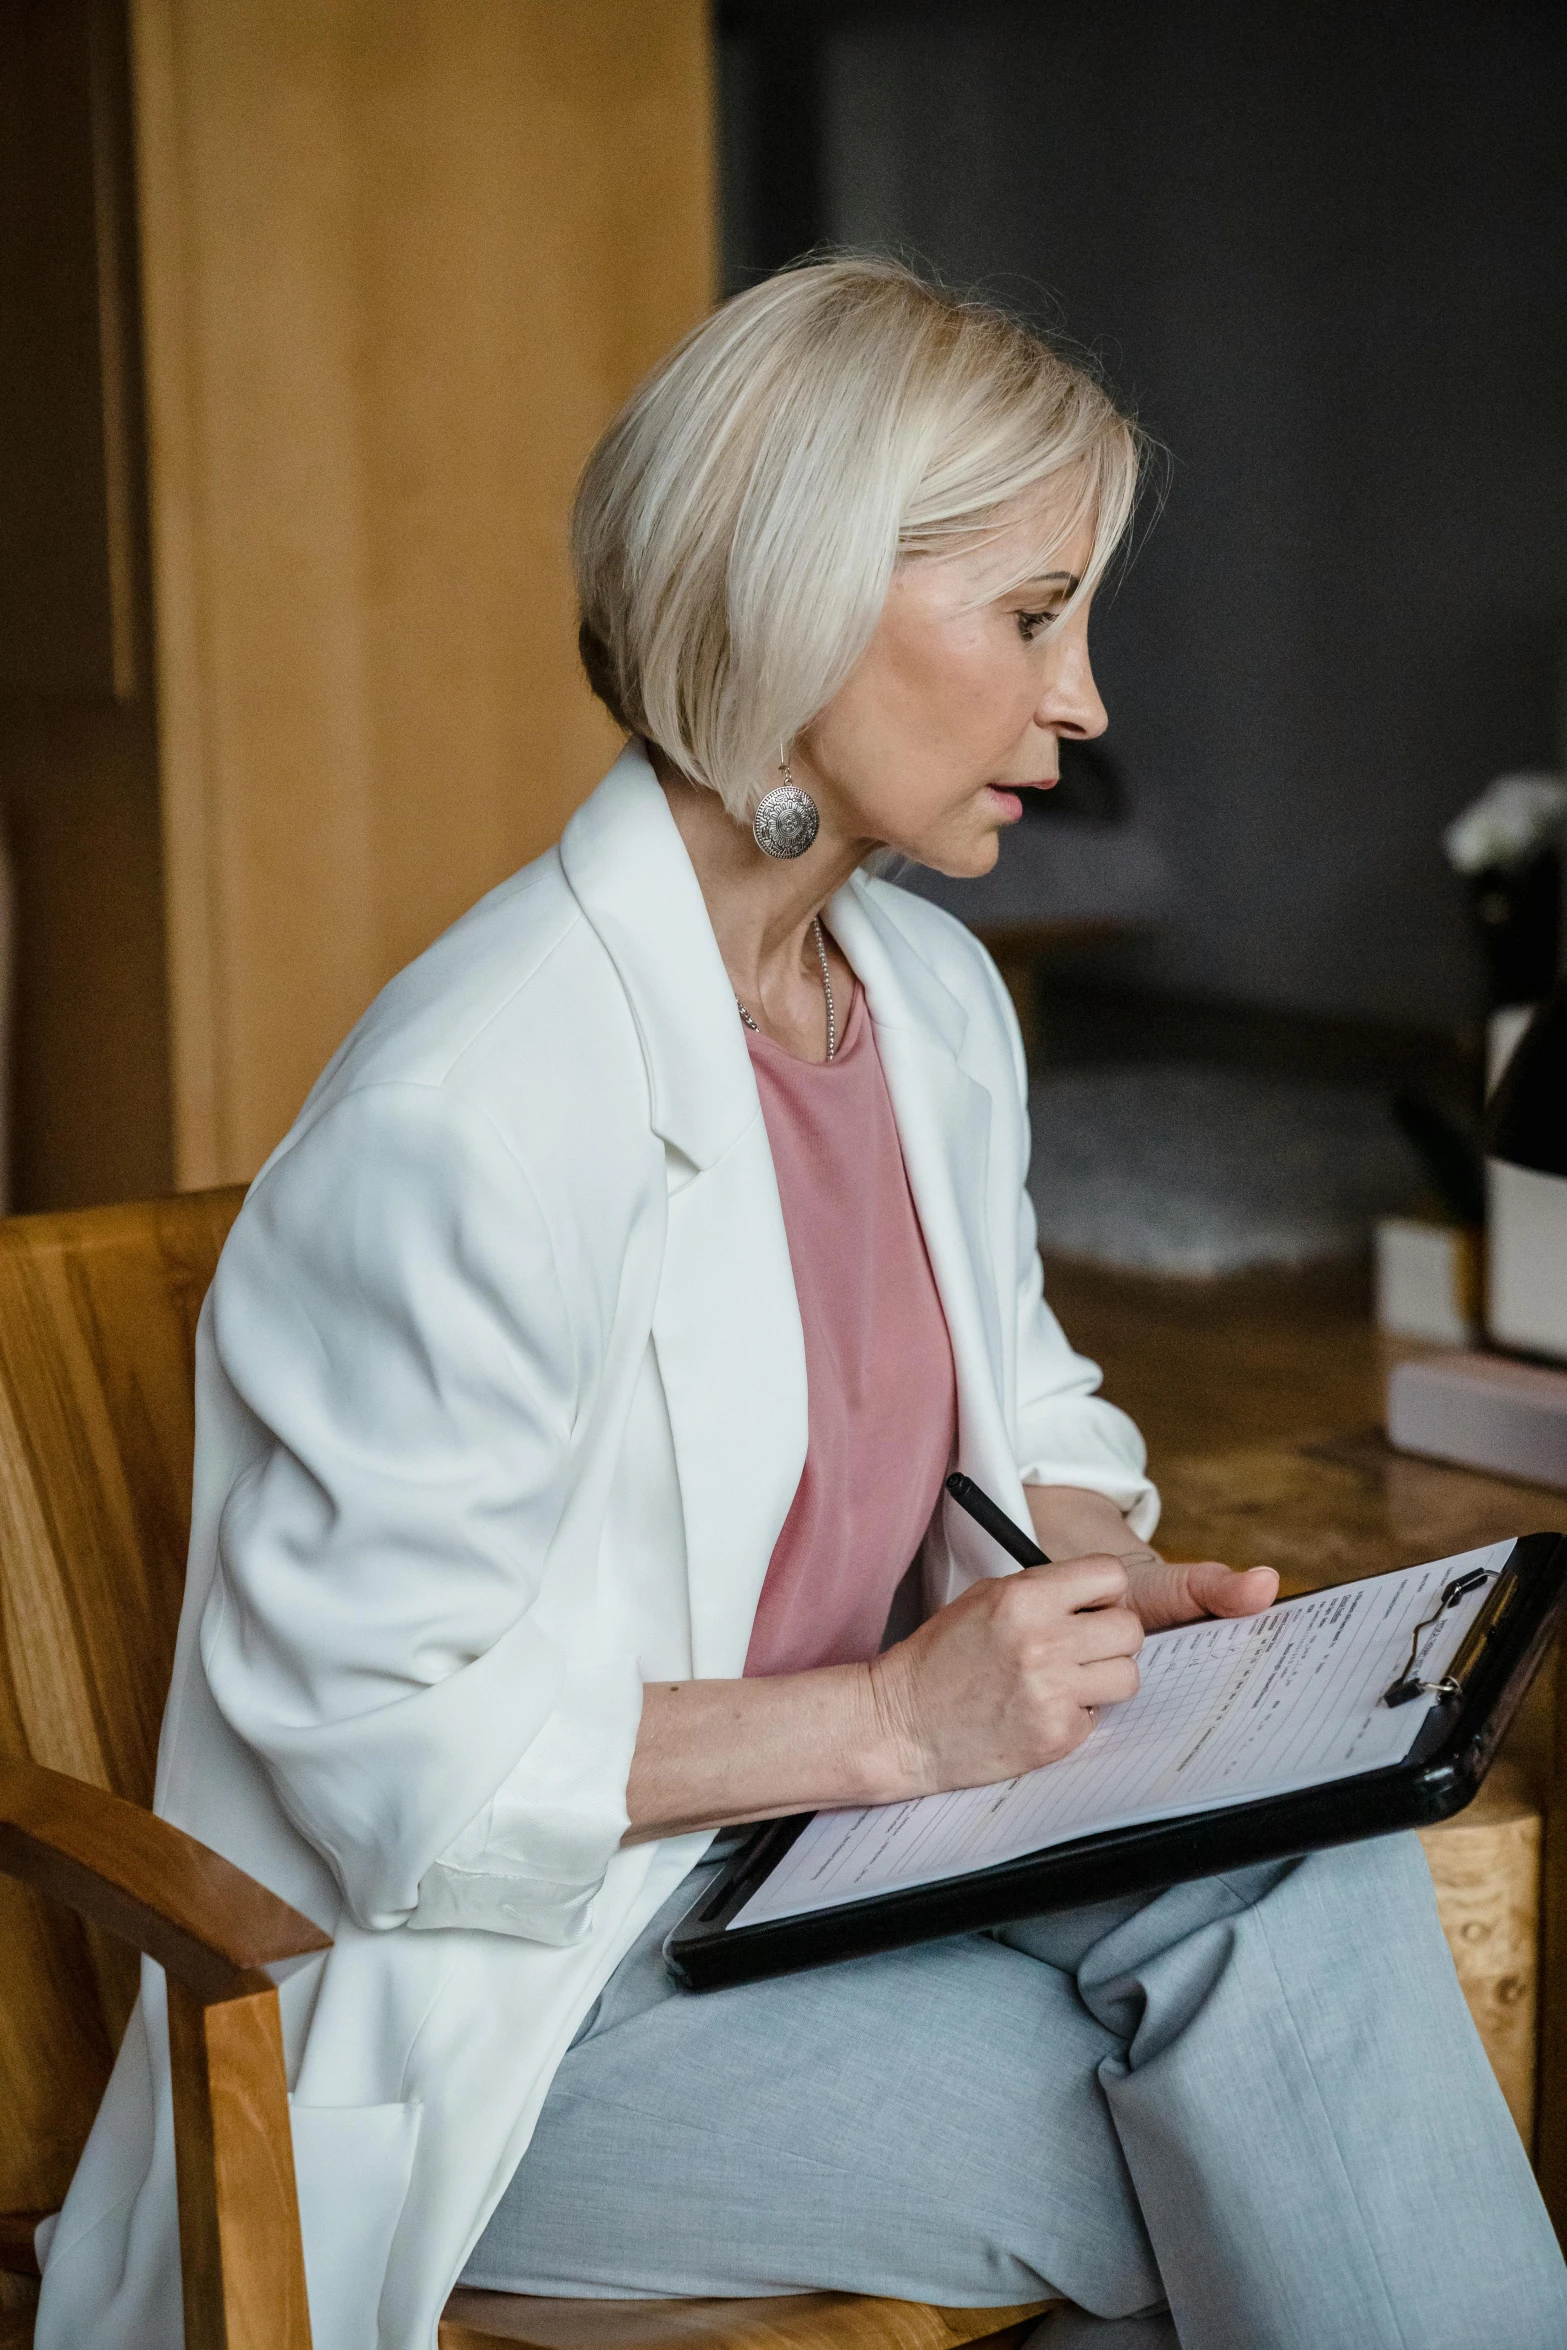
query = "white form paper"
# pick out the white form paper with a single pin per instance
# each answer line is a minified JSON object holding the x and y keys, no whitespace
{"x":1228,"y":1712}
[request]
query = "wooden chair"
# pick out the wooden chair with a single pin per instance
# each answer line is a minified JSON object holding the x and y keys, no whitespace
{"x":97,"y":1332}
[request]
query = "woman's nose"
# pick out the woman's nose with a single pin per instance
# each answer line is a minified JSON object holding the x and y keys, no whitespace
{"x":1070,"y":703}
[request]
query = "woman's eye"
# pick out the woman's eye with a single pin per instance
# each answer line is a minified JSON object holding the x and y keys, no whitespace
{"x":1030,"y":623}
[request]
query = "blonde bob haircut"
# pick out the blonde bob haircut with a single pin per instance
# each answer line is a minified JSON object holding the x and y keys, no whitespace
{"x":737,"y":527}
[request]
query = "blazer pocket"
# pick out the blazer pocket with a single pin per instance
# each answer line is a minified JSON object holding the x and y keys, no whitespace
{"x":352,"y":2164}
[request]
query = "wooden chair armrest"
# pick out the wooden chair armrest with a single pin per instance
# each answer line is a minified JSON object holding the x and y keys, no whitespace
{"x":213,"y":1930}
{"x":209,"y":1926}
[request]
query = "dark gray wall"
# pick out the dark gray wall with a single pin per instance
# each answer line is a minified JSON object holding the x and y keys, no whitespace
{"x":1325,"y":250}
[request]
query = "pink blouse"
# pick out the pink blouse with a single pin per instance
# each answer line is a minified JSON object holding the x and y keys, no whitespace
{"x":881,"y":1386}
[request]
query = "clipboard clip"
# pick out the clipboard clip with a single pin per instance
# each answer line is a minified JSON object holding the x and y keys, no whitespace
{"x":1409,"y":1684}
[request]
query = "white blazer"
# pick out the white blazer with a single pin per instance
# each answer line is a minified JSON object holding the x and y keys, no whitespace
{"x":500,"y":1407}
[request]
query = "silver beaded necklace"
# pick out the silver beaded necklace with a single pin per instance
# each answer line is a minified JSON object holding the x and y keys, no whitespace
{"x":832,"y":1017}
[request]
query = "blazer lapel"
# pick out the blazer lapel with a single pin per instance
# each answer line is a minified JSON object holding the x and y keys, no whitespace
{"x":943,"y":1117}
{"x":726,"y":1329}
{"x":726,"y":1323}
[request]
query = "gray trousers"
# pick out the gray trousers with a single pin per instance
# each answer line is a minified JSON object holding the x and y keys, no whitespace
{"x":1257,"y":2101}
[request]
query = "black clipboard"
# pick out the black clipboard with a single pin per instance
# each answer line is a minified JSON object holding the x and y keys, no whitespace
{"x":1485,"y":1685}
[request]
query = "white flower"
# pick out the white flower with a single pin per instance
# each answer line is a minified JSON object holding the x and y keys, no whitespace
{"x":1512,"y":820}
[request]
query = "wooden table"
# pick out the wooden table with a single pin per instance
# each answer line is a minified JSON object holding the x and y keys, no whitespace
{"x":1261,"y":1397}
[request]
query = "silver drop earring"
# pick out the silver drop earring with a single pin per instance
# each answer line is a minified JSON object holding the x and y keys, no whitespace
{"x":786,"y":821}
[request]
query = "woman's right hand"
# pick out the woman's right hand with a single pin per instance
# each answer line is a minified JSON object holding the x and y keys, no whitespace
{"x":1009,"y":1676}
{"x":1006,"y":1678}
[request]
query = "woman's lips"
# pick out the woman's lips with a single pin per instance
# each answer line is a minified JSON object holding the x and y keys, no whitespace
{"x":1008,"y":803}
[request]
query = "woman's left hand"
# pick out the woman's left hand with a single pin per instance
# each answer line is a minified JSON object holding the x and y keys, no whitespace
{"x":1164,"y":1593}
{"x":1071,"y":1523}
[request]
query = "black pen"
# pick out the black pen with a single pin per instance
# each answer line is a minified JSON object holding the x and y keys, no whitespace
{"x":995,"y":1521}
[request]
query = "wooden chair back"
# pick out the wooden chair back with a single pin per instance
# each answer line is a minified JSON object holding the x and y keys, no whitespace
{"x":97,"y":1342}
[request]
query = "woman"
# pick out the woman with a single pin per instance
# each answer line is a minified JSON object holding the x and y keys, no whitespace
{"x":577,"y":1385}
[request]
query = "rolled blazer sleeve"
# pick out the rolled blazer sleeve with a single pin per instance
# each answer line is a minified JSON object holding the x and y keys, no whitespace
{"x":404,"y":1624}
{"x":1065,"y":1432}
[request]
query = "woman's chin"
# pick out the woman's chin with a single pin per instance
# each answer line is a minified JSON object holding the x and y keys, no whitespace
{"x":962,"y":859}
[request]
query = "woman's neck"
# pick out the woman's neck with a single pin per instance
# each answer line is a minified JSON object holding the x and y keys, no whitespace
{"x":763,"y":911}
